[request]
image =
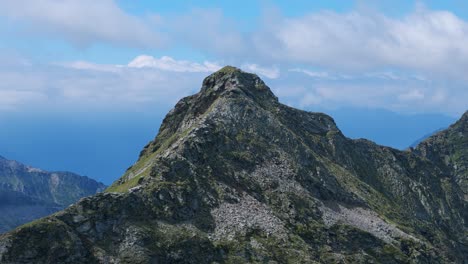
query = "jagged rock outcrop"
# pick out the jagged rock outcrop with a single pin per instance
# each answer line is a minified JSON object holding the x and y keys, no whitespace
{"x":234,"y":176}
{"x":28,"y":193}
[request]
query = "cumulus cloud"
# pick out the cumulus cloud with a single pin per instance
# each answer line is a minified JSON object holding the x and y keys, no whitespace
{"x":83,"y":22}
{"x":151,"y":83}
{"x":400,"y":92}
{"x":424,"y":40}
{"x":85,"y":65}
{"x":87,"y":86}
{"x":19,"y":85}
{"x":414,"y":62}
{"x":411,"y":95}
{"x":144,"y":82}
{"x":314,"y":74}
{"x":168,"y":63}
{"x":269,"y":72}
{"x":10,"y":98}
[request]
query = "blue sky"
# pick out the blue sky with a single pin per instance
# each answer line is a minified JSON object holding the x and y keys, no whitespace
{"x":74,"y":66}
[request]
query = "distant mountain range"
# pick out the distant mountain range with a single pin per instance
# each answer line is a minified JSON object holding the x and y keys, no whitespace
{"x":28,"y":193}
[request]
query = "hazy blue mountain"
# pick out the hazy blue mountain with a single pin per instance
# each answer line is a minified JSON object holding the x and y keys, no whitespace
{"x":28,"y":193}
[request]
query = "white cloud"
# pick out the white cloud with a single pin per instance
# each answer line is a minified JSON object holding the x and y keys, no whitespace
{"x":415,"y":62}
{"x":423,"y":41}
{"x":394,"y":92}
{"x":83,"y":22}
{"x":170,"y":64}
{"x":167,"y":63}
{"x":411,"y":95}
{"x":20,"y":86}
{"x":309,"y":99}
{"x":428,"y":41}
{"x":84,"y":65}
{"x":150,"y":83}
{"x":422,"y":44}
{"x":313,"y":74}
{"x":10,"y":99}
{"x":335,"y":95}
{"x":85,"y":86}
{"x":269,"y":72}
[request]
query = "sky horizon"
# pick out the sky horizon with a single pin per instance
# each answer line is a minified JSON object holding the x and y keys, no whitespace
{"x":92,"y":80}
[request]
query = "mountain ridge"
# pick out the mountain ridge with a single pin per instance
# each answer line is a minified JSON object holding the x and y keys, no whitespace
{"x":28,"y":193}
{"x":233,"y":176}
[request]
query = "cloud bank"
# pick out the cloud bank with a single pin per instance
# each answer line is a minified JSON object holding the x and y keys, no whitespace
{"x":155,"y":84}
{"x":423,"y":40}
{"x":144,"y":83}
{"x":83,"y":22}
{"x":170,"y":64}
{"x":411,"y":63}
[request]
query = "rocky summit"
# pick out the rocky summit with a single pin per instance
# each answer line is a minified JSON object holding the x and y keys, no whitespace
{"x":28,"y":193}
{"x":234,"y":176}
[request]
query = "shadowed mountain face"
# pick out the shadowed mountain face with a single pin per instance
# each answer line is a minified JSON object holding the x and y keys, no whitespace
{"x":234,"y":176}
{"x":28,"y":193}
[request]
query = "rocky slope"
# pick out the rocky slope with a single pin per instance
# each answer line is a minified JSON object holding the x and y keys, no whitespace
{"x":234,"y":176}
{"x":28,"y":193}
{"x":421,"y":139}
{"x":448,"y":150}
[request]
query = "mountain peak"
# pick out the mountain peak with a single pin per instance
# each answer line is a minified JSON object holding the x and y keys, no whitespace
{"x":233,"y":81}
{"x":228,"y":69}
